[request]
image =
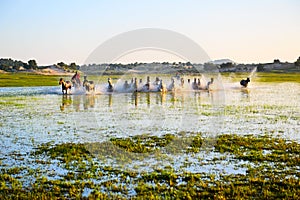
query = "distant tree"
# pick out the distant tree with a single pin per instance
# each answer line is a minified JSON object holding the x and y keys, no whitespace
{"x":260,"y":68}
{"x":73,"y":66}
{"x":276,"y":61}
{"x":7,"y":64}
{"x":62,"y":65}
{"x":297,"y":63}
{"x":32,"y":64}
{"x":226,"y":65}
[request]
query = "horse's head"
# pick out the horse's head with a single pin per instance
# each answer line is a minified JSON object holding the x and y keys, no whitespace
{"x":61,"y":80}
{"x":248,"y":79}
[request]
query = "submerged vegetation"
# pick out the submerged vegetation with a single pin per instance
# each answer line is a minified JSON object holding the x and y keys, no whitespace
{"x":59,"y":147}
{"x":272,"y":171}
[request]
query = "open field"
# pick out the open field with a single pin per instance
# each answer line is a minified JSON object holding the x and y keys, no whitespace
{"x":27,"y":79}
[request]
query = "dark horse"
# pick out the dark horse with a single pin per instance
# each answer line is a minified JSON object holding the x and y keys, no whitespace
{"x":110,"y":87}
{"x":245,"y":82}
{"x":65,"y":85}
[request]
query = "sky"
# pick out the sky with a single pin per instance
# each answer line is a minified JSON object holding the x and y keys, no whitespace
{"x":245,"y":31}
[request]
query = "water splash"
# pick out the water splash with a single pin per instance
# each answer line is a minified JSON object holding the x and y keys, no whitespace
{"x":253,"y":73}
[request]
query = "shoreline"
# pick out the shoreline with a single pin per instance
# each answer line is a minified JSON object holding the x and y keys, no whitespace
{"x":28,"y":79}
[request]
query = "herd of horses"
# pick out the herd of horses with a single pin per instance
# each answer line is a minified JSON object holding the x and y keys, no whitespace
{"x":134,"y":86}
{"x":66,"y":86}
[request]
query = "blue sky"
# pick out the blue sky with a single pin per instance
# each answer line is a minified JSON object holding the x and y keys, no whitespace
{"x":69,"y":30}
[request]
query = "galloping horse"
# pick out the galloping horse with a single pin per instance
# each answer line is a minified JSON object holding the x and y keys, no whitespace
{"x":89,"y":85}
{"x":76,"y":83}
{"x":146,"y":87}
{"x":65,"y":85}
{"x":162,"y":87}
{"x":172,"y":85}
{"x":76,"y":80}
{"x":110,"y":87}
{"x":209,"y":83}
{"x":245,"y":82}
{"x":134,"y":85}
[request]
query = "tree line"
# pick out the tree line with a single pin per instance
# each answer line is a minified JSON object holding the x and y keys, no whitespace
{"x":10,"y":65}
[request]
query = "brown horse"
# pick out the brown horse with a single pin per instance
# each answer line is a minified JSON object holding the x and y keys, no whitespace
{"x":65,"y":86}
{"x":89,"y":85}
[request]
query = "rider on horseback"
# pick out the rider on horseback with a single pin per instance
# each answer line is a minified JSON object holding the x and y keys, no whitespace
{"x":76,"y":79}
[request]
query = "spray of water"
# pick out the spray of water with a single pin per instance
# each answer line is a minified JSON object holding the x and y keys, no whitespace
{"x":253,"y":72}
{"x":179,"y":84}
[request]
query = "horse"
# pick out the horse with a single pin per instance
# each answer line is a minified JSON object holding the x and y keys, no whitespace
{"x":195,"y":85}
{"x":65,"y":85}
{"x":172,"y":85}
{"x":134,"y":85}
{"x":76,"y":82}
{"x":156,"y":82}
{"x":245,"y":82}
{"x":209,"y":83}
{"x":162,"y":87}
{"x":181,"y":82}
{"x":89,"y":85}
{"x":146,"y":87}
{"x":110,"y":87}
{"x":126,"y":86}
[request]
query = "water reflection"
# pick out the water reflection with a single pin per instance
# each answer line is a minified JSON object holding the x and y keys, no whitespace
{"x":245,"y":93}
{"x":86,"y":102}
{"x":134,"y":99}
{"x":110,"y":100}
{"x":148,"y":99}
{"x":65,"y":102}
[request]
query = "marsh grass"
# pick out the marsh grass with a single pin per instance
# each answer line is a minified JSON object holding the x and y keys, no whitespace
{"x":267,"y":77}
{"x":27,"y":79}
{"x":274,"y":172}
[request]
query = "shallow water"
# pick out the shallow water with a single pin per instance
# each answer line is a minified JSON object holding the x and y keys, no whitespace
{"x":31,"y":116}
